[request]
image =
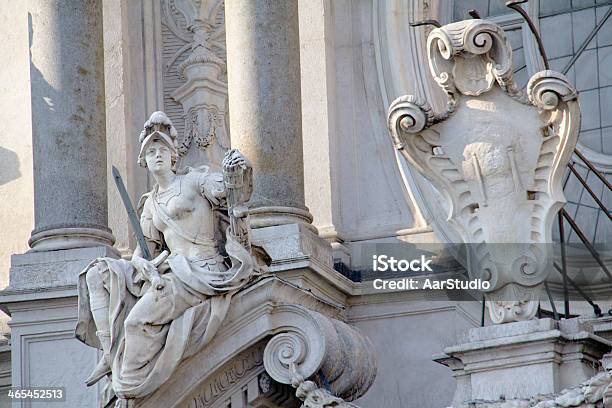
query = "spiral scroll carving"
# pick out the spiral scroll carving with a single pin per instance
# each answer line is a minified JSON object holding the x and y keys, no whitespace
{"x":328,"y":348}
{"x":486,"y":41}
{"x":481,"y":38}
{"x":408,"y":114}
{"x":546,"y":89}
{"x":283,"y":351}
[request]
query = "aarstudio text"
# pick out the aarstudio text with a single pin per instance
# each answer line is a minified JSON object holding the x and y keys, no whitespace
{"x":383,"y":263}
{"x":433,"y":284}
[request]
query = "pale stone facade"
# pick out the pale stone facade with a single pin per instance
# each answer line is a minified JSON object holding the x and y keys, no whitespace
{"x":302,"y":88}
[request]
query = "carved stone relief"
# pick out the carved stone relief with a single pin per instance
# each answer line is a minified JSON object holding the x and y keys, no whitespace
{"x":230,"y":375}
{"x":340,"y":358}
{"x":244,"y":373}
{"x":596,"y":392}
{"x":195,"y":78}
{"x":497,"y":153}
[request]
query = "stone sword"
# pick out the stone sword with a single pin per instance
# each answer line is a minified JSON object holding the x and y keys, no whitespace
{"x":131,"y":214}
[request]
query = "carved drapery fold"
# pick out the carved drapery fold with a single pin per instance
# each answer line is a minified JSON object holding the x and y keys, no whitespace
{"x":495,"y":170}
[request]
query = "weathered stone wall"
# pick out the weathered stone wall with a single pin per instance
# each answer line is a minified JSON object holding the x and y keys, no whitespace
{"x":407,"y":329}
{"x":16,"y":186}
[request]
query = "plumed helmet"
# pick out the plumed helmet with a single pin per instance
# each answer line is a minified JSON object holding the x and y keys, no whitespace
{"x":158,"y":127}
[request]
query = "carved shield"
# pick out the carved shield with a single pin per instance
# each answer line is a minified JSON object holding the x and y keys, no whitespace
{"x":498,"y":153}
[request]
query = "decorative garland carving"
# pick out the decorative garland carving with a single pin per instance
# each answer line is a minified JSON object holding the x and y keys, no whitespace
{"x":200,"y":127}
{"x":493,"y":169}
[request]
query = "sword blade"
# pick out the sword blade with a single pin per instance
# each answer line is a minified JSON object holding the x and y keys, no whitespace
{"x":134,"y":221}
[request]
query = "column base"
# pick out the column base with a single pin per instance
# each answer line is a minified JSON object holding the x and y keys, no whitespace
{"x":290,"y":245}
{"x":42,"y":301}
{"x":303,"y":258}
{"x":523,"y":359}
{"x":70,"y":237}
{"x":37,"y":270}
{"x":262,"y":217}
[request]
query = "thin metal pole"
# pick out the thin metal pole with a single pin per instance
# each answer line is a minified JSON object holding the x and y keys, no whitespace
{"x":516,"y":6}
{"x":586,"y":186}
{"x":435,"y":23}
{"x":563,"y":265}
{"x":591,"y":167}
{"x":586,"y":42}
{"x":552,"y":303}
{"x":474,"y":14}
{"x":586,"y":243}
{"x":567,"y":177}
{"x":596,"y":308}
{"x":482,"y":313}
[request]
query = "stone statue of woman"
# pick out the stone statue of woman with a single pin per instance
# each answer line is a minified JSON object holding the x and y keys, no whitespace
{"x":148,"y":315}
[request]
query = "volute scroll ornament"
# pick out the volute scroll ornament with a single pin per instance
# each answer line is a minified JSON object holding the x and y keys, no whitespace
{"x":502,"y":177}
{"x":327,"y":363}
{"x":469,"y":56}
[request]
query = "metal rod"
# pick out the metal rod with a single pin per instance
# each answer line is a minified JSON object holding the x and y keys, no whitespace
{"x":552,"y":302}
{"x":596,"y":308}
{"x":586,"y":186}
{"x":474,"y":14}
{"x":426,"y":22}
{"x":592,"y":168}
{"x":482,"y":313}
{"x":564,"y":266}
{"x":516,"y":6}
{"x":586,"y":242}
{"x":586,"y":42}
{"x":567,"y":177}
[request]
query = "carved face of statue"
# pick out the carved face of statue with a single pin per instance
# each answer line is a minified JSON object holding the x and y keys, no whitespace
{"x":159,"y":157}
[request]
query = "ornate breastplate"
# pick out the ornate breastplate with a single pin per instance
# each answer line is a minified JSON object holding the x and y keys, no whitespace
{"x":172,"y":208}
{"x":174,"y":201}
{"x":164,"y":197}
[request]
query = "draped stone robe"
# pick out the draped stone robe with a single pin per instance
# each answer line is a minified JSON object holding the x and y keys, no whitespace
{"x":186,"y":313}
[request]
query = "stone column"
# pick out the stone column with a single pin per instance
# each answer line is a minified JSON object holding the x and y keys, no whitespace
{"x":68,"y":124}
{"x":263,"y":58}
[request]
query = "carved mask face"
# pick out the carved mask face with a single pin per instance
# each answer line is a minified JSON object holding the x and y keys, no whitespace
{"x":158,"y":156}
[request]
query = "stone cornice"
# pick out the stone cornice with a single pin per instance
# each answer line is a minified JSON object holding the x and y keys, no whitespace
{"x":267,"y":308}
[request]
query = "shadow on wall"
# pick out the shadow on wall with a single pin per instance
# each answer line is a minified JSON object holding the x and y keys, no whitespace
{"x":46,"y":97}
{"x":9,"y":166}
